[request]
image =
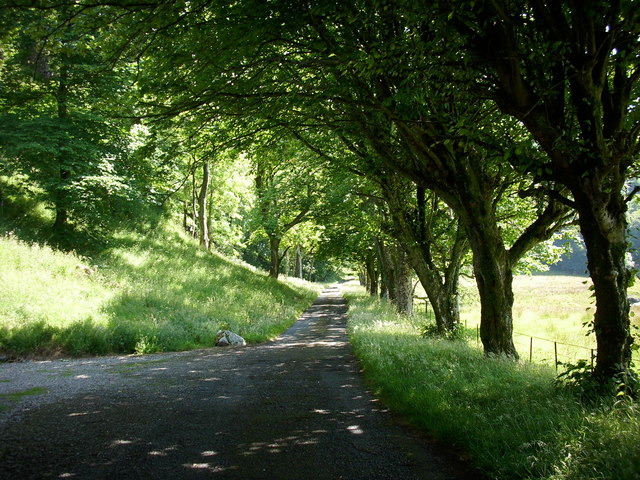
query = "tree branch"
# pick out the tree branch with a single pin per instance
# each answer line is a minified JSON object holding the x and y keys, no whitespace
{"x":551,"y":220}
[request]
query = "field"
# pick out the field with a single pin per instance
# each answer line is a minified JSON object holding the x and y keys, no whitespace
{"x":547,"y":309}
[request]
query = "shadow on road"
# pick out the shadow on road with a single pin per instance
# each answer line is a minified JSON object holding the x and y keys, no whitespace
{"x":290,"y":409}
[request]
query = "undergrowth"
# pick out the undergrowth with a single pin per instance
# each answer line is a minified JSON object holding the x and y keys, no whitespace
{"x":146,"y":293}
{"x":510,"y":418}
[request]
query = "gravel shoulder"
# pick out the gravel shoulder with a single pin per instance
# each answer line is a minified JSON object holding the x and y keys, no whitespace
{"x":289,"y":409}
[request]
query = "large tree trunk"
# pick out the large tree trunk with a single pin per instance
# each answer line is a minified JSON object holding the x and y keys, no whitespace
{"x":387,"y":271}
{"x":604,"y":233}
{"x":576,"y":100}
{"x":494,"y":279}
{"x":274,"y":251}
{"x":203,"y":224}
{"x":362,"y":276}
{"x":493,"y":265}
{"x":493,"y":270}
{"x":403,"y":287}
{"x":442,"y":295}
{"x":372,"y":275}
{"x":413,"y":232}
{"x":395,"y":276}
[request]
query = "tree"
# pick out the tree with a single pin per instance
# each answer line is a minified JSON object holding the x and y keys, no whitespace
{"x":569,"y":72}
{"x":285,"y":184}
{"x":423,"y":235}
{"x":301,"y":242}
{"x":417,"y":115}
{"x":378,"y":73}
{"x":434,"y":242}
{"x":203,"y":218}
{"x":414,"y":115}
{"x":55,"y":124}
{"x":231,"y":200}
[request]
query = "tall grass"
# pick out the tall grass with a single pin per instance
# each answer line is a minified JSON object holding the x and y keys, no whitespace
{"x":508,"y":417}
{"x":549,"y":308}
{"x":148,"y":293}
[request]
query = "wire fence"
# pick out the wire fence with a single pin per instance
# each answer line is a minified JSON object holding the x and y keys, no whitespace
{"x":545,"y":350}
{"x":537,"y":349}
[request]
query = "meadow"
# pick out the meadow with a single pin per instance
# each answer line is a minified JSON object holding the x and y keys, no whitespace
{"x":511,"y":419}
{"x":547,"y":309}
{"x":144,"y":294}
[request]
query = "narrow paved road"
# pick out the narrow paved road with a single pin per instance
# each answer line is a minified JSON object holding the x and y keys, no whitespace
{"x":294,"y":408}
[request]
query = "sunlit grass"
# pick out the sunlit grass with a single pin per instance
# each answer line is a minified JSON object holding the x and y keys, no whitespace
{"x":547,"y":309}
{"x":509,"y":417}
{"x":149,"y":293}
{"x":44,"y":292}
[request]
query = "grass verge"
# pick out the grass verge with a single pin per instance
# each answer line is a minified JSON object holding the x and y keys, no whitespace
{"x":508,"y":417}
{"x":145,"y":294}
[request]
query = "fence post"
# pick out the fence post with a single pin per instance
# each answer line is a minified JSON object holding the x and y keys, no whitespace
{"x":592,"y":356}
{"x":530,"y":349}
{"x":555,"y":354}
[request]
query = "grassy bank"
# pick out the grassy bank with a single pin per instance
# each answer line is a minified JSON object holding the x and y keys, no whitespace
{"x":508,"y":417}
{"x":147,"y":293}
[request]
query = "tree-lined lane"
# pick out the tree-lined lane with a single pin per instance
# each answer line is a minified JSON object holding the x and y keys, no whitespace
{"x":292,"y":408}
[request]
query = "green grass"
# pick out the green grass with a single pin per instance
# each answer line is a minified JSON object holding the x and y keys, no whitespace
{"x":8,"y":398}
{"x":508,"y":417}
{"x":150,"y":293}
{"x":549,"y":308}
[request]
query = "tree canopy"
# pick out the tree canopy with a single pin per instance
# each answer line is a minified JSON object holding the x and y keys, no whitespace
{"x":395,"y":136}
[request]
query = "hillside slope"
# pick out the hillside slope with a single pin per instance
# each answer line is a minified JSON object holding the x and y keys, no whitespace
{"x":146,"y":293}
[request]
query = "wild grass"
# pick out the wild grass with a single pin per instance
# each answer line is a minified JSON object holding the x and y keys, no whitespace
{"x":148,"y":293}
{"x":509,"y":417}
{"x":547,"y":309}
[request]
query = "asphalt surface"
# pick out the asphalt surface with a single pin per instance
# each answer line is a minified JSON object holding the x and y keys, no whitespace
{"x":295,"y":408}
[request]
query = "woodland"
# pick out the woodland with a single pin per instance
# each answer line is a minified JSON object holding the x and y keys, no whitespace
{"x":402,"y":139}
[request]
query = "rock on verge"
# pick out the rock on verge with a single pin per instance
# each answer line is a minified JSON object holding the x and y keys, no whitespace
{"x":224,"y":338}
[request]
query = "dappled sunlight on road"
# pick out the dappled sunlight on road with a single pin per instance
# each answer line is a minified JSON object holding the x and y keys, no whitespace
{"x":290,"y":408}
